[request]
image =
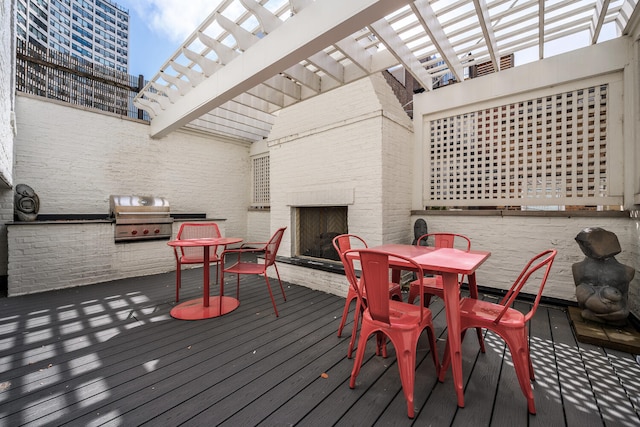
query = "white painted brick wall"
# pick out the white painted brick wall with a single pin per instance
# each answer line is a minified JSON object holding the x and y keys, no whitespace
{"x":354,"y":139}
{"x":513,"y":240}
{"x":47,"y":256}
{"x":7,"y":37}
{"x":258,"y":226}
{"x":74,"y":159}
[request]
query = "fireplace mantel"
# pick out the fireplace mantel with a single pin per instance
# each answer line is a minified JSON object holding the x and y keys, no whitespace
{"x":329,"y":197}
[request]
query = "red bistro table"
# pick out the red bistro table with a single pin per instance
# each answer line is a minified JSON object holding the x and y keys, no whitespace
{"x":448,"y":263}
{"x":207,"y":306}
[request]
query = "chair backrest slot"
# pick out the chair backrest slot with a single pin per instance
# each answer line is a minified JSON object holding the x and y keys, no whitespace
{"x":271,"y":248}
{"x":198,"y":230}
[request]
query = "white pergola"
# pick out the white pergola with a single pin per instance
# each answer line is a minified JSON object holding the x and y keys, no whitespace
{"x":251,"y":58}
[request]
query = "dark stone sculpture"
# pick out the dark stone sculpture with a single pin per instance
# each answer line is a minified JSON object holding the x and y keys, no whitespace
{"x":419,"y":229}
{"x":602,"y":283}
{"x":26,"y":203}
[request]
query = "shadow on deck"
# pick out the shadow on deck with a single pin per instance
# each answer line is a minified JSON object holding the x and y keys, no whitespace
{"x":110,"y":354}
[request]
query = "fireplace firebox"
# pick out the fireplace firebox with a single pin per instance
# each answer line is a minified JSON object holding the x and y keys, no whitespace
{"x":315,"y":229}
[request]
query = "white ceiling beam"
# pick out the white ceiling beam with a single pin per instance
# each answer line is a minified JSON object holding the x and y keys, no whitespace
{"x":298,"y":5}
{"x":151,"y":107}
{"x":541,"y":12}
{"x":628,"y":17}
{"x":387,"y":35}
{"x":252,"y":113}
{"x":316,"y":26}
{"x":269,"y":22}
{"x":356,"y":53}
{"x":207,"y":65}
{"x":171,"y":93}
{"x":226,"y":55}
{"x":433,"y":28}
{"x":487,"y":30}
{"x":245,"y":40}
{"x":598,"y":19}
{"x":194,"y":77}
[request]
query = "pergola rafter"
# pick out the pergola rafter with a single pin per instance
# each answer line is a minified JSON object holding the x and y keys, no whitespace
{"x":251,"y":58}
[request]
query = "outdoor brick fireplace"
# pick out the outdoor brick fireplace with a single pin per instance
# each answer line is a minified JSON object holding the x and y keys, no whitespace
{"x":315,"y":229}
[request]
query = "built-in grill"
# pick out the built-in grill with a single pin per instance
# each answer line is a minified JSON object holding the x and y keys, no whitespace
{"x":140,"y":218}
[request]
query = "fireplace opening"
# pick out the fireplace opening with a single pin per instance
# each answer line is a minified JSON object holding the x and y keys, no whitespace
{"x":315,"y":229}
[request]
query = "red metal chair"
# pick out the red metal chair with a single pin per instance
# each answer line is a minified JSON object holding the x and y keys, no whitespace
{"x":433,"y":285}
{"x":508,"y":322}
{"x":195,"y":255}
{"x":343,"y":243}
{"x":402,"y":323}
{"x":269,"y":249}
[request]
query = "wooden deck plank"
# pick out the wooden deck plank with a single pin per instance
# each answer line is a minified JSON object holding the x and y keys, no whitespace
{"x":546,"y":386}
{"x":627,"y":369}
{"x":516,"y":413}
{"x":188,"y":333}
{"x":426,"y":382}
{"x":576,"y":397}
{"x":110,"y":354}
{"x":209,"y":360}
{"x":615,"y":406}
{"x":259,"y":379}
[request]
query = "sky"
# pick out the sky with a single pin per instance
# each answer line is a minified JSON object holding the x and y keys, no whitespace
{"x":158,"y":27}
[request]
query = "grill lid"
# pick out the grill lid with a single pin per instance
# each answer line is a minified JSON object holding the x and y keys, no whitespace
{"x":138,"y":205}
{"x":140,"y":217}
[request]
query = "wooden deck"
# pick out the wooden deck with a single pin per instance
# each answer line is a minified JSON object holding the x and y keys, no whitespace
{"x":110,"y":354}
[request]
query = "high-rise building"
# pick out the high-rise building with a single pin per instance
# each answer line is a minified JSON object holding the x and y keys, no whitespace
{"x":94,"y":30}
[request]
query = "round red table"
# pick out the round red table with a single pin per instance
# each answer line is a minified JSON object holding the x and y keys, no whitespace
{"x":207,"y":306}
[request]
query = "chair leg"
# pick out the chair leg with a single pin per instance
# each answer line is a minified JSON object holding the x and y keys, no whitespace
{"x":178,"y":281}
{"x":279,"y":281}
{"x":517,"y":343}
{"x":406,"y":358}
{"x":473,"y":292}
{"x":354,"y":330}
{"x":434,"y":349}
{"x":273,"y":301}
{"x":480,"y":339}
{"x":365,"y":331}
{"x":426,"y":300}
{"x":345,"y":313}
{"x":446,"y":358}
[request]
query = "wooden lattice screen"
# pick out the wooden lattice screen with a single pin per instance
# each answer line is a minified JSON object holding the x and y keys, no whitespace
{"x":261,"y":194}
{"x":551,"y":150}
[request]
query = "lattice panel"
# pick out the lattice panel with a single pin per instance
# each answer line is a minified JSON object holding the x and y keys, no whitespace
{"x":534,"y":152}
{"x":261,"y":195}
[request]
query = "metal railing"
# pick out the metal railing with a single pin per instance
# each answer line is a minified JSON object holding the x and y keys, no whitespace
{"x":56,"y":75}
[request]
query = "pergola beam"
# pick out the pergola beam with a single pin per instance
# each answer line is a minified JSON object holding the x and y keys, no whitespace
{"x":316,"y":26}
{"x":487,"y":30}
{"x":433,"y":28}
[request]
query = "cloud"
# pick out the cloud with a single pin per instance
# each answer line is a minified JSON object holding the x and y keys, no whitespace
{"x":174,"y":20}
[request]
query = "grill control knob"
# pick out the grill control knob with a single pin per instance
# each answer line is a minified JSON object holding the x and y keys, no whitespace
{"x":145,"y":231}
{"x":134,"y":232}
{"x":156,"y":231}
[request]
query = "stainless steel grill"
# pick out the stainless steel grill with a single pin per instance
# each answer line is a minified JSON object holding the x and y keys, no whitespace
{"x":141,"y":217}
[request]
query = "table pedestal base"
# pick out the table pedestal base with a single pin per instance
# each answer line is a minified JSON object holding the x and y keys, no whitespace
{"x":195,"y":310}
